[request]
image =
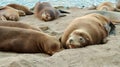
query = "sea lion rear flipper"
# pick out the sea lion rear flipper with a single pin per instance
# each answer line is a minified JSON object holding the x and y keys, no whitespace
{"x":61,"y":11}
{"x":110,"y":28}
{"x":62,"y":15}
{"x":112,"y":31}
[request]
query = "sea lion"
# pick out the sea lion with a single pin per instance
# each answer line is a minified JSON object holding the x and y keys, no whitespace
{"x":18,"y":24}
{"x":107,"y":6}
{"x":90,"y":29}
{"x":21,"y":7}
{"x":10,"y":13}
{"x":27,"y":41}
{"x":44,"y":11}
{"x":114,"y":17}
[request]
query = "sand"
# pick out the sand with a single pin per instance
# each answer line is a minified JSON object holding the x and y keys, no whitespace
{"x":103,"y":55}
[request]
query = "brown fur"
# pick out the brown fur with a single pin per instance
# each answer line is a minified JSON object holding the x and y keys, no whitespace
{"x":90,"y":27}
{"x":44,"y":11}
{"x":18,"y":24}
{"x":21,"y":7}
{"x":108,"y":6}
{"x":114,"y":17}
{"x":10,"y":13}
{"x":27,"y":41}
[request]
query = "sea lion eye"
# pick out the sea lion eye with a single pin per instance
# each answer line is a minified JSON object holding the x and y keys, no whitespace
{"x":82,"y":39}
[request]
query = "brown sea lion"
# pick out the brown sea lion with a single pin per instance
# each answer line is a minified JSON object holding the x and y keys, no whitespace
{"x":18,"y":24}
{"x":107,"y":6}
{"x":114,"y":17}
{"x":44,"y":11}
{"x":10,"y":13}
{"x":27,"y":41}
{"x":21,"y":7}
{"x":87,"y":30}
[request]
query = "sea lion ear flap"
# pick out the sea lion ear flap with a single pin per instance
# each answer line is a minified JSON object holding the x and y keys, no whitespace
{"x":112,"y":30}
{"x":88,"y":40}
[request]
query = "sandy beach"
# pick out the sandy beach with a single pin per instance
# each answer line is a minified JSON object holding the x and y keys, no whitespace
{"x":103,"y":55}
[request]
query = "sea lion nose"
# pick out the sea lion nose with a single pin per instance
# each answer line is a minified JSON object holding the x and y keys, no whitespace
{"x":71,"y":40}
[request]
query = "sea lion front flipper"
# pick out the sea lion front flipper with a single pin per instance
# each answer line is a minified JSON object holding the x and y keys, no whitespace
{"x":61,"y":11}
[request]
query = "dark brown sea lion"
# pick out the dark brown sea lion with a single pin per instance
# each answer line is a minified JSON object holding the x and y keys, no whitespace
{"x":44,"y":11}
{"x":27,"y":41}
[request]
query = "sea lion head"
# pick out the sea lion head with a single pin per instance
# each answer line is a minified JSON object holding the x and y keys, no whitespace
{"x":48,"y":15}
{"x":52,"y":45}
{"x":78,"y":38}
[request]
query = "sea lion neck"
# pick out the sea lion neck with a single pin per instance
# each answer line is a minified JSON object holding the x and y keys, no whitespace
{"x":41,"y":39}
